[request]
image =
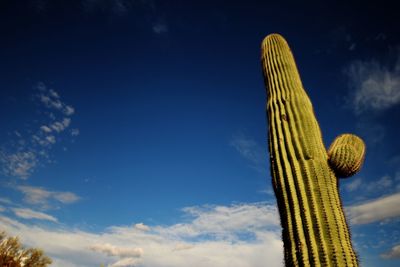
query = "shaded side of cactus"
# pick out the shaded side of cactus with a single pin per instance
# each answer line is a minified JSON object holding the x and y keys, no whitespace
{"x":315,"y":232}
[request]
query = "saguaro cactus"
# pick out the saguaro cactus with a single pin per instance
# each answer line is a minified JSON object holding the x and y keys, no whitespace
{"x":304,"y":174}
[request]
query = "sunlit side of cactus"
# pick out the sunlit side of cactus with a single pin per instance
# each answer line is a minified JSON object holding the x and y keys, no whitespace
{"x":315,"y":232}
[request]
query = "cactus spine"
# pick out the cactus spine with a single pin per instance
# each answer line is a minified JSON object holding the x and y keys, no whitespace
{"x":315,"y":232}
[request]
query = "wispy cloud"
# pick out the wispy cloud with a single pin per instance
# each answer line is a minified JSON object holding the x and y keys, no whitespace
{"x":375,"y":210}
{"x":376,"y":87}
{"x":268,"y":191}
{"x":227,"y":222}
{"x":43,"y":197}
{"x":380,"y":185}
{"x":160,"y":27}
{"x":253,"y":152}
{"x":128,"y":256}
{"x":218,"y":236}
{"x":75,"y":132}
{"x":5,"y":200}
{"x":394,"y":253}
{"x":57,"y":126}
{"x":111,"y":250}
{"x":22,"y":155}
{"x":353,"y":185}
{"x":19,"y":164}
{"x":51,"y":99}
{"x":31,"y":214}
{"x":65,"y":197}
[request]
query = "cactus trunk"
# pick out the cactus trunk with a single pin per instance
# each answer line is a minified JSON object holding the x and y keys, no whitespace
{"x":315,"y":232}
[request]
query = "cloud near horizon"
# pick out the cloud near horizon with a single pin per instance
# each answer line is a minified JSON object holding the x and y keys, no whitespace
{"x":376,"y":210}
{"x":128,"y":256}
{"x":394,"y":253}
{"x":218,"y":236}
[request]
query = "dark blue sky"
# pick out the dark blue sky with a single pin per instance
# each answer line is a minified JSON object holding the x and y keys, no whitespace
{"x":152,"y":114}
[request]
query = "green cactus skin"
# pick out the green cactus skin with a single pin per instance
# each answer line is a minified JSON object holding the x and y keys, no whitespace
{"x":315,"y":232}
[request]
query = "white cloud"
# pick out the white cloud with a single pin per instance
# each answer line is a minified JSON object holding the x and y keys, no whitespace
{"x":251,"y":238}
{"x":377,"y":87}
{"x":226,"y":222}
{"x":65,"y":197}
{"x":45,"y":142}
{"x":34,"y":195}
{"x":68,"y":110}
{"x":182,"y":247}
{"x":269,"y":191}
{"x":52,"y":100}
{"x":45,"y":129}
{"x":142,"y":227}
{"x":51,"y":103}
{"x":122,"y":252}
{"x":54,"y":94}
{"x":251,"y":151}
{"x":57,"y":126}
{"x":66,"y":122}
{"x":126,"y":262}
{"x":51,"y":139}
{"x":18,"y":164}
{"x":41,"y":196}
{"x":375,"y":210}
{"x":31,"y":214}
{"x":20,"y":157}
{"x":394,"y":253}
{"x":60,"y":126}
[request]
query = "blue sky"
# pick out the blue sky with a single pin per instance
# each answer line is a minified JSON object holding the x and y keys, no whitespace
{"x":134,"y":133}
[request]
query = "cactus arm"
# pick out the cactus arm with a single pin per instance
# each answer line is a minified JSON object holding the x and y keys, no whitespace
{"x":346,"y":155}
{"x":315,"y":231}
